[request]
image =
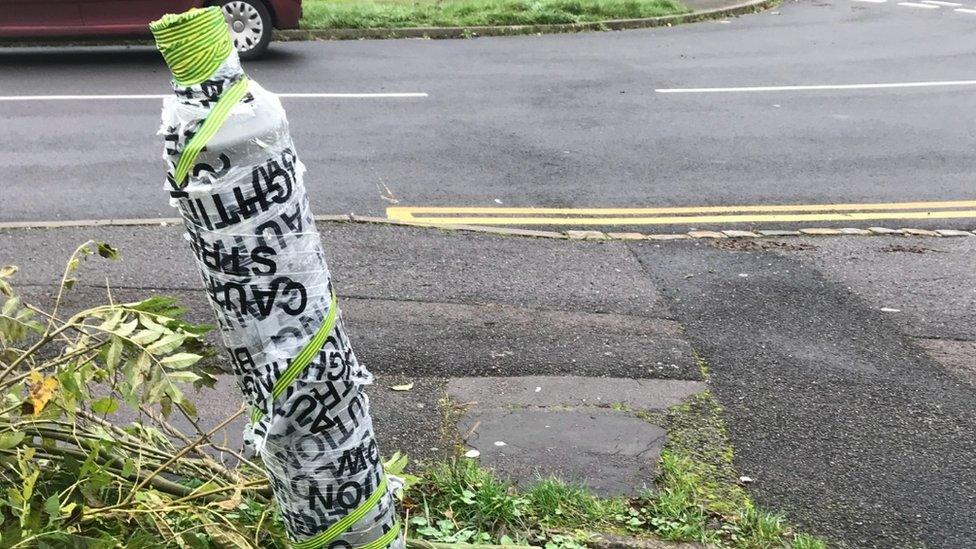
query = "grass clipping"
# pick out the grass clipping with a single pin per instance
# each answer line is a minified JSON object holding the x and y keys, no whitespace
{"x":365,"y":14}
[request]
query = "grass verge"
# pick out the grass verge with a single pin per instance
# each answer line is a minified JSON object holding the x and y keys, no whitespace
{"x":373,"y":14}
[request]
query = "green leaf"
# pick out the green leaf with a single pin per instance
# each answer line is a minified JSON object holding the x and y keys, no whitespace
{"x":126,"y":328}
{"x":107,"y":251}
{"x":10,"y":439}
{"x":183,"y":377}
{"x":111,"y":322}
{"x":114,"y":353}
{"x":10,"y":306}
{"x":74,"y":381}
{"x":160,"y":305}
{"x":135,"y":370}
{"x":396,"y":463}
{"x":223,"y":536}
{"x":128,"y":467}
{"x":156,"y":386}
{"x":105,"y":406}
{"x":53,"y":506}
{"x":181,"y":360}
{"x":145,"y":337}
{"x":166,"y":344}
{"x":8,"y":271}
{"x":151,"y":324}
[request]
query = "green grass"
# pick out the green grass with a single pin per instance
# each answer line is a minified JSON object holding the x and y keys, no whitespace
{"x":698,"y":441}
{"x":555,"y":503}
{"x":806,"y":541}
{"x":470,"y":497}
{"x":380,"y":14}
{"x":698,"y":485}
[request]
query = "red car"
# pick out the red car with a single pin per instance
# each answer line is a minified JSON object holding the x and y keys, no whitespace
{"x":251,"y":21}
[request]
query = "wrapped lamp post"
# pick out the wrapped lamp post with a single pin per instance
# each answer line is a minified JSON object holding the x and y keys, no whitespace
{"x":234,"y":176}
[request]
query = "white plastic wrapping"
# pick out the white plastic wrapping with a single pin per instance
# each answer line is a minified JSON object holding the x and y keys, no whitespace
{"x":249,"y":225}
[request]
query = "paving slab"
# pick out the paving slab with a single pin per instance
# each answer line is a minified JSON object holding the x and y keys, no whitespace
{"x":581,"y":430}
{"x":611,"y":453}
{"x":549,"y":391}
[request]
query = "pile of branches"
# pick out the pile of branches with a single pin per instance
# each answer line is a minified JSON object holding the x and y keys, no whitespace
{"x":89,"y":454}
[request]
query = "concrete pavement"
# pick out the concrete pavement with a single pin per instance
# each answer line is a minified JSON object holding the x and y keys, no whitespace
{"x":855,"y":421}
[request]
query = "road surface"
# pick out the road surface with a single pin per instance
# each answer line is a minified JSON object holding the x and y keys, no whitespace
{"x":587,"y":121}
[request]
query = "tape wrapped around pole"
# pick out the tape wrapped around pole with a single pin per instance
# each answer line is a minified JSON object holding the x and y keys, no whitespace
{"x":235,"y":178}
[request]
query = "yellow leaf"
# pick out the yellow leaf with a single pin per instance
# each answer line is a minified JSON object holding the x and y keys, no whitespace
{"x":225,"y":538}
{"x":406,"y":387}
{"x":40,"y":390}
{"x":233,"y":502}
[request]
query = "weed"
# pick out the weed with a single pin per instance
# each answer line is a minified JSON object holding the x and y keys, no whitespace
{"x":755,"y":529}
{"x":562,"y":541}
{"x":677,"y":511}
{"x":806,"y":541}
{"x":470,"y":498}
{"x":698,"y":441}
{"x":556,"y":503}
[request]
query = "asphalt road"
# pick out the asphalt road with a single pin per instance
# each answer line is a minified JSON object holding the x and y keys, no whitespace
{"x":543,"y":121}
{"x":849,"y":425}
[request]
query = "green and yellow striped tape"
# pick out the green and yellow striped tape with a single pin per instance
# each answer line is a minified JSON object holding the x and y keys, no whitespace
{"x":218,"y":115}
{"x":193,"y":43}
{"x":304,"y":358}
{"x":346,"y":522}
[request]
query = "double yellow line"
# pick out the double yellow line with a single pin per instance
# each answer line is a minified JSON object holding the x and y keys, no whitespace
{"x":695,"y":215}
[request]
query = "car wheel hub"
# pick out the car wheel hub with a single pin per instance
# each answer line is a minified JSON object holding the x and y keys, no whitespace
{"x":246,"y":26}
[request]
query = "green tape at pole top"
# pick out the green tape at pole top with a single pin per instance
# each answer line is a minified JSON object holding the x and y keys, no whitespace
{"x":193,"y":43}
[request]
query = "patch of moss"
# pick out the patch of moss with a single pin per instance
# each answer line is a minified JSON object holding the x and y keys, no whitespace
{"x":697,"y":435}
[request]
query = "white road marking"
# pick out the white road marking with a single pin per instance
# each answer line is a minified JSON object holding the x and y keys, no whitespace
{"x":914,"y":5}
{"x":285,"y":95}
{"x":937,"y":3}
{"x":964,"y":10}
{"x":354,"y":95}
{"x":934,"y":84}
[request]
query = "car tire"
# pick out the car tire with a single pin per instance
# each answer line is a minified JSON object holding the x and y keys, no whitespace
{"x":250,"y":26}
